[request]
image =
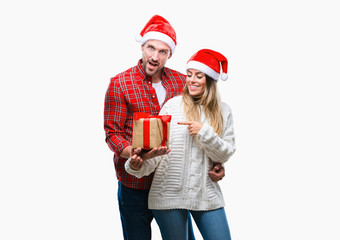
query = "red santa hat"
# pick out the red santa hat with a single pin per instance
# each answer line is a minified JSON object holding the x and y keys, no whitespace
{"x":158,"y":28}
{"x":210,"y":63}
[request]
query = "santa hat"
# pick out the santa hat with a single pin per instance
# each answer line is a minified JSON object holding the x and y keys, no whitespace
{"x":210,"y":63}
{"x":158,"y":28}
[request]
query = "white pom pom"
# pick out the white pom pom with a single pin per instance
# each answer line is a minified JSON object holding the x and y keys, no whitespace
{"x":224,"y":76}
{"x":139,"y":38}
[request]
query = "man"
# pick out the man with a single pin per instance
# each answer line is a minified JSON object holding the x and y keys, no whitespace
{"x":142,"y":88}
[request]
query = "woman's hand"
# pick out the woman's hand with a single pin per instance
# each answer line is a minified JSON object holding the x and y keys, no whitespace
{"x":193,"y":127}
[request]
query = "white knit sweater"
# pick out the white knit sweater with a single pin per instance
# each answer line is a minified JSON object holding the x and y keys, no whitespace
{"x":181,"y":179}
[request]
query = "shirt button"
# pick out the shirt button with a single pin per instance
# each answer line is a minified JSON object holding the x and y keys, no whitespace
{"x":153,"y":96}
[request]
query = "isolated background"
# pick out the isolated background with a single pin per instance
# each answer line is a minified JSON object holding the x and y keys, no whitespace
{"x":56,"y":59}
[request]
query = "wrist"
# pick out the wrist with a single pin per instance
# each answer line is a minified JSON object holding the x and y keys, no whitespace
{"x":126,"y":153}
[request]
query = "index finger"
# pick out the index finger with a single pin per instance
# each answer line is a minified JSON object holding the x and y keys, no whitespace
{"x":184,"y":123}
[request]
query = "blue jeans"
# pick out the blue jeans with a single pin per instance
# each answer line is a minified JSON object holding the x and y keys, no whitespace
{"x":173,"y":223}
{"x":135,"y":216}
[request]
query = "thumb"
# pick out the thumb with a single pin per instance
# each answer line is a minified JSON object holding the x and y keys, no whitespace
{"x":137,"y":150}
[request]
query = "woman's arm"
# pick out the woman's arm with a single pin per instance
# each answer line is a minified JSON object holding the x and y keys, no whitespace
{"x":147,"y":167}
{"x":218,"y":148}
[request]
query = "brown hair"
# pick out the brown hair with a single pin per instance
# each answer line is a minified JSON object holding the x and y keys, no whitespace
{"x":210,"y":102}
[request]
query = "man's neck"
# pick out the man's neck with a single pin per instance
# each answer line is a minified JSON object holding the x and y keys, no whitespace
{"x":155,"y":80}
{"x":157,"y":77}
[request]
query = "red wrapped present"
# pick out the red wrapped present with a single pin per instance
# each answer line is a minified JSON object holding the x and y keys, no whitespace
{"x":150,"y":131}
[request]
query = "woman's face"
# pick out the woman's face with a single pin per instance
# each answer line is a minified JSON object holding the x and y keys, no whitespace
{"x":196,"y":82}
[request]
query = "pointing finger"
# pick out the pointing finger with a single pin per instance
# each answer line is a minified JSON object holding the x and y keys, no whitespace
{"x":184,"y":123}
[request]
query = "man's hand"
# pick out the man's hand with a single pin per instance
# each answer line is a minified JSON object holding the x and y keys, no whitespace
{"x":144,"y":154}
{"x":193,"y":127}
{"x":139,"y":155}
{"x":136,"y":162}
{"x":217,"y":173}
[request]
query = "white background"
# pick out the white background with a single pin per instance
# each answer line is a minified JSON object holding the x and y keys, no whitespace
{"x":56,"y":59}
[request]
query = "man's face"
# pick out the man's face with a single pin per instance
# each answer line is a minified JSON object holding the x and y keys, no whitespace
{"x":155,"y":55}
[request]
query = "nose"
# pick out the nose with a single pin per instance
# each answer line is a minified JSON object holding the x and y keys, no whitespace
{"x":193,"y":78}
{"x":190,"y":79}
{"x":154,"y":56}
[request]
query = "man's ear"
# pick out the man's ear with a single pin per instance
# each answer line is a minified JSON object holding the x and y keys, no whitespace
{"x":170,"y":55}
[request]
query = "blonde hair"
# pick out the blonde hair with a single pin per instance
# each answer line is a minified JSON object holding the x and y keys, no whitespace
{"x":210,"y":102}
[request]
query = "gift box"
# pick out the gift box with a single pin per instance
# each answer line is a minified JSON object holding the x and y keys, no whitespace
{"x":150,"y":131}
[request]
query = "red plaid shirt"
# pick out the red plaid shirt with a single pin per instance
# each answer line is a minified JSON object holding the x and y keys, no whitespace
{"x":131,"y":91}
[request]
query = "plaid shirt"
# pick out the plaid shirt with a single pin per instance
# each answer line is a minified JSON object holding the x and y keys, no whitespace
{"x":131,"y":91}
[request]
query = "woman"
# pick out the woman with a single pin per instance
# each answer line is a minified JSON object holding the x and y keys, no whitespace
{"x":201,"y":135}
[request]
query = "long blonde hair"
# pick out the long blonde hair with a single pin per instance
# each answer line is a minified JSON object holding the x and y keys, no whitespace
{"x":211,"y":105}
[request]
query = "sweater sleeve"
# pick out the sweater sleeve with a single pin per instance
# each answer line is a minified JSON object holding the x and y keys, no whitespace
{"x":218,"y":148}
{"x":147,"y":168}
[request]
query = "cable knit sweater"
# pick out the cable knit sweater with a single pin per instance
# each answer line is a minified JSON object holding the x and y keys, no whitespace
{"x":181,"y":179}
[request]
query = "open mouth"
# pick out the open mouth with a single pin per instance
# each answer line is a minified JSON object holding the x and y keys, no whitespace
{"x":154,"y":64}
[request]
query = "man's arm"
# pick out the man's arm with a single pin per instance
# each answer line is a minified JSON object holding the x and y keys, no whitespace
{"x":126,"y":153}
{"x":115,"y":114}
